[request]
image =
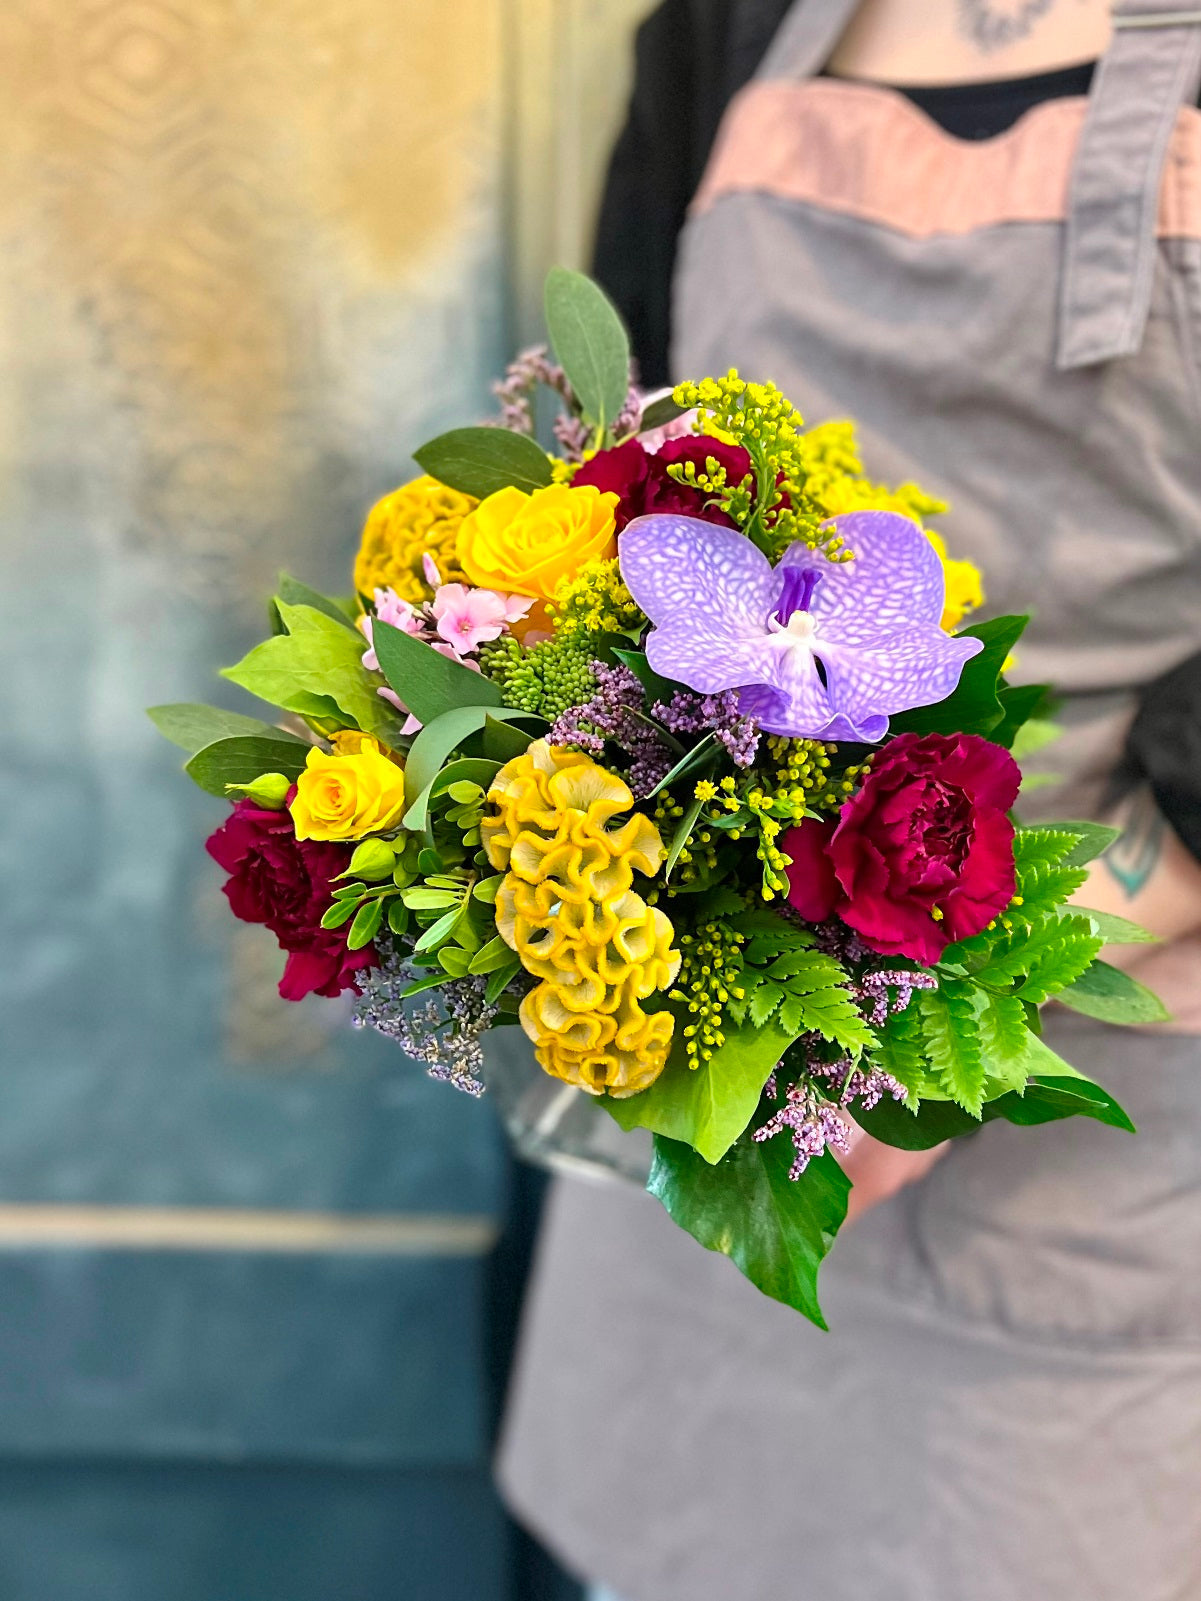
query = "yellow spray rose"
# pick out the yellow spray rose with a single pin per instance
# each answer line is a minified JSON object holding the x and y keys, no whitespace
{"x":528,"y":544}
{"x":347,"y":796}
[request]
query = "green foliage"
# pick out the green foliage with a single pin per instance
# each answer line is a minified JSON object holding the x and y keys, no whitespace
{"x":707,"y":1107}
{"x":316,"y":669}
{"x":1022,"y":729}
{"x":1045,"y":880}
{"x":428,"y":683}
{"x":805,"y":990}
{"x":240,"y":761}
{"x":1106,"y":993}
{"x":193,"y":726}
{"x":479,"y":461}
{"x":590,"y":343}
{"x":975,"y":707}
{"x":552,"y":675}
{"x":430,"y":748}
{"x":1114,"y":930}
{"x":659,"y":413}
{"x":698,"y":760}
{"x":951,"y":1041}
{"x":775,"y":1230}
{"x":293,"y":593}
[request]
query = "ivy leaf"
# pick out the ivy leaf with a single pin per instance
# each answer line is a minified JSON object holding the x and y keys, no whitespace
{"x":707,"y":1107}
{"x":241,"y":761}
{"x":590,"y":342}
{"x":316,"y":669}
{"x":479,"y":461}
{"x":777,"y":1232}
{"x":951,"y":1038}
{"x":1106,"y":993}
{"x":193,"y":726}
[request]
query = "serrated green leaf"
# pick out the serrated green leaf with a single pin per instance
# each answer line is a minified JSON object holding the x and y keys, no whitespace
{"x":900,"y":1052}
{"x":1114,"y":930}
{"x":316,"y":669}
{"x":193,"y":726}
{"x":1091,"y":840}
{"x":807,"y":969}
{"x":1106,"y":993}
{"x":1044,"y":889}
{"x":763,"y":1001}
{"x":951,"y":1040}
{"x":366,"y":924}
{"x":590,"y":342}
{"x":776,"y":1231}
{"x":242,"y":760}
{"x":480,"y":461}
{"x":293,"y":593}
{"x":833,"y":1014}
{"x":1061,"y":961}
{"x":429,"y":683}
{"x":707,"y":1107}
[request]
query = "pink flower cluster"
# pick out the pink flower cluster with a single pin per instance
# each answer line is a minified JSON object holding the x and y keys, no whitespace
{"x":456,"y":623}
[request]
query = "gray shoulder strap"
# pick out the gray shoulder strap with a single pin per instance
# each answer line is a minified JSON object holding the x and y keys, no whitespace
{"x":806,"y":38}
{"x":1150,"y":70}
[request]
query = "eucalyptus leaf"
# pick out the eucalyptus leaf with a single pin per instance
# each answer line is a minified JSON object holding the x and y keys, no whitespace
{"x":242,"y":760}
{"x":316,"y":669}
{"x":590,"y":342}
{"x":479,"y":461}
{"x":776,"y":1230}
{"x":502,"y":741}
{"x":193,"y":726}
{"x":428,"y":683}
{"x":707,"y":1107}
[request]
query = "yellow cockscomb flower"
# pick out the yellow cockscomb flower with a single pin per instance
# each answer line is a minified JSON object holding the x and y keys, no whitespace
{"x":528,"y":544}
{"x":418,"y":518}
{"x":343,"y":797}
{"x":568,"y":908}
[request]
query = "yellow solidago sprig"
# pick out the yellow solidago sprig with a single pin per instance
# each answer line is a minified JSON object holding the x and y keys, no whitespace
{"x":418,"y":519}
{"x":346,"y":796}
{"x":710,"y":967}
{"x":567,"y":906}
{"x":595,"y":601}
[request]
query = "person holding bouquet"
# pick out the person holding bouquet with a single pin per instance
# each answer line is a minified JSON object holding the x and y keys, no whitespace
{"x":976,"y":226}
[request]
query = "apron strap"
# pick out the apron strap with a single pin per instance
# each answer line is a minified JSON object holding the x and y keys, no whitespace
{"x":806,"y":38}
{"x":1151,"y":69}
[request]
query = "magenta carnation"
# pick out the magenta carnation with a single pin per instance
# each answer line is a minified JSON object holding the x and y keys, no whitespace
{"x":641,"y":482}
{"x":921,"y":855}
{"x":285,"y":883}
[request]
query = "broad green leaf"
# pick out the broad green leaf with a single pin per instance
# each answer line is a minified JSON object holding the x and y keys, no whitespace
{"x":241,"y":761}
{"x":974,"y":707}
{"x":590,"y":342}
{"x":504,"y":739}
{"x":1047,"y":1099}
{"x":1114,"y":930}
{"x":479,"y":461}
{"x":316,"y":669}
{"x":659,"y":413}
{"x":1106,"y":993}
{"x":193,"y":726}
{"x":707,"y":1107}
{"x":293,"y":593}
{"x":366,"y":924}
{"x":1033,"y":735}
{"x":763,"y":1002}
{"x":427,"y":682}
{"x":436,"y":741}
{"x":775,"y":1230}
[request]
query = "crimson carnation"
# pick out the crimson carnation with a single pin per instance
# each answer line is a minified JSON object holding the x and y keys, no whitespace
{"x":921,"y":855}
{"x":642,"y":483}
{"x":285,"y":883}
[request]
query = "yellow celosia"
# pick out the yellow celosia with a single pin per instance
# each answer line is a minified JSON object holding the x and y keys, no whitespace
{"x":343,"y":797}
{"x":419,"y":518}
{"x":528,"y":544}
{"x":567,"y":907}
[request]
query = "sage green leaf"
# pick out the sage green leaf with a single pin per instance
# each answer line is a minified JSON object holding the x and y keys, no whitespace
{"x":242,"y":760}
{"x":1106,"y":993}
{"x":707,"y":1107}
{"x":975,"y":706}
{"x":428,"y":683}
{"x":193,"y":726}
{"x":1114,"y":930}
{"x":776,"y":1231}
{"x":479,"y":461}
{"x":293,"y":593}
{"x":316,"y":669}
{"x":590,"y":342}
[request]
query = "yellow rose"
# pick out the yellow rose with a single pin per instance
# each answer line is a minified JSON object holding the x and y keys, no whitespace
{"x":965,"y":592}
{"x":345,"y":797}
{"x":527,"y":544}
{"x":418,"y":518}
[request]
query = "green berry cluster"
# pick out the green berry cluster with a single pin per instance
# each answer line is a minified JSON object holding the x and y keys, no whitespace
{"x":547,"y":679}
{"x":709,"y":971}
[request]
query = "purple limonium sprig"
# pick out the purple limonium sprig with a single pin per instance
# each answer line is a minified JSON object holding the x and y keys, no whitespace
{"x":442,"y":1033}
{"x":813,"y":1122}
{"x":533,"y":367}
{"x":615,"y":713}
{"x":816,"y":649}
{"x":719,"y":715}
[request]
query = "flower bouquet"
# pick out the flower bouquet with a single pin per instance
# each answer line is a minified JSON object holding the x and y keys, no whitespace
{"x":675,"y":748}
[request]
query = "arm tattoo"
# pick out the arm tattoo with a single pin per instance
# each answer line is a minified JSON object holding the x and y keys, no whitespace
{"x":991,"y":27}
{"x":1134,"y":857}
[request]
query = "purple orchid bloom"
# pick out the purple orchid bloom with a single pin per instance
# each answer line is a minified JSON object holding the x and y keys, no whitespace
{"x":817,"y":649}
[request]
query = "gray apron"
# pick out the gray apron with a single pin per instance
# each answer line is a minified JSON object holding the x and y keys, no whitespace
{"x":1009,"y":1405}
